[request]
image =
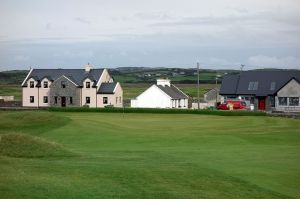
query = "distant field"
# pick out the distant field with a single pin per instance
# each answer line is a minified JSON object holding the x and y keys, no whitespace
{"x":11,"y":89}
{"x":130,"y":90}
{"x":109,"y":155}
{"x":133,"y":90}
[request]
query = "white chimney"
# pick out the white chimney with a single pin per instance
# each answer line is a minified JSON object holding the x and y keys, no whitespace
{"x":88,"y":67}
{"x":163,"y":82}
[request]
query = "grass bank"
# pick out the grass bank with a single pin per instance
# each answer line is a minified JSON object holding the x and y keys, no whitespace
{"x":153,"y":156}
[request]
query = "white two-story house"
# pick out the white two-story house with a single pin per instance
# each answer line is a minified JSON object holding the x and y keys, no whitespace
{"x":71,"y":88}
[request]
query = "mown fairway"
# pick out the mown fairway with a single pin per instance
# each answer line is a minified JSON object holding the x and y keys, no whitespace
{"x":109,"y":155}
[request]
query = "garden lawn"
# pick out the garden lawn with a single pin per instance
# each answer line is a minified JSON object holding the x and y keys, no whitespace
{"x":150,"y":156}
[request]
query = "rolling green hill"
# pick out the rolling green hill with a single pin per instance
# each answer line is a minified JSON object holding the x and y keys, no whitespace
{"x":151,"y":156}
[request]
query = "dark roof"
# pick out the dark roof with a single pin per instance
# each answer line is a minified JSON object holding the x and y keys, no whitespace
{"x":173,"y":92}
{"x":107,"y":88}
{"x":213,"y":89}
{"x":75,"y":75}
{"x":238,"y":84}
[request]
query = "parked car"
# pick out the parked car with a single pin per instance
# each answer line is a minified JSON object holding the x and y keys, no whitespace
{"x":232,"y":104}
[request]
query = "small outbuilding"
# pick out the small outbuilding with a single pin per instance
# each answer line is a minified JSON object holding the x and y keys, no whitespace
{"x":161,"y":95}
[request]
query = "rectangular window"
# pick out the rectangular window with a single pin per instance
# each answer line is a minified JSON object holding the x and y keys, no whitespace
{"x":105,"y":100}
{"x":45,"y":99}
{"x":116,"y":100}
{"x":87,"y":100}
{"x":63,"y":84}
{"x":87,"y":84}
{"x":31,"y":84}
{"x":293,"y":101}
{"x":31,"y":99}
{"x":120,"y":100}
{"x":282,"y":101}
{"x":55,"y":100}
{"x":71,"y":100}
{"x":45,"y":84}
{"x":272,"y":87}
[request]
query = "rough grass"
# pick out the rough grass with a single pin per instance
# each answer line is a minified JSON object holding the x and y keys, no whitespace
{"x":27,"y":146}
{"x":32,"y":122}
{"x":155,"y":156}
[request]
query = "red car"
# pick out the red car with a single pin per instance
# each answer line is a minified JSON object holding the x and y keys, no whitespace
{"x":232,"y":104}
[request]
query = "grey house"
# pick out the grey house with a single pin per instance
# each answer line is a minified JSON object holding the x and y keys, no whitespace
{"x":267,"y":90}
{"x":213,"y":96}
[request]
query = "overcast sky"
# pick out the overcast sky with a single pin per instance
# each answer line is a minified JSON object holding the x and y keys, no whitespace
{"x":158,"y":33}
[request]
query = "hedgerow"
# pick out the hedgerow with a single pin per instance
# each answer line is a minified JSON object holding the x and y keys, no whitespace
{"x":159,"y":111}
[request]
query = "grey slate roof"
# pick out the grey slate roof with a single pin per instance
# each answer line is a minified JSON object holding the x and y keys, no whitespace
{"x":76,"y":75}
{"x":238,"y":84}
{"x":173,"y":92}
{"x":107,"y":88}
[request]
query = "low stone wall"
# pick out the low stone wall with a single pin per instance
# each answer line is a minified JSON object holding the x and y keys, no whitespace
{"x":295,"y":115}
{"x":10,"y":103}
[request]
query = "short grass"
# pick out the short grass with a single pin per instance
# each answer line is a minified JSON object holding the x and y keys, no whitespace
{"x":154,"y":156}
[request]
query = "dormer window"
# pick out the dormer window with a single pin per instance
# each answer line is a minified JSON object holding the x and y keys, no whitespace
{"x":31,"y":83}
{"x":45,"y":84}
{"x":272,"y":87}
{"x":88,"y":84}
{"x":63,"y":84}
{"x":252,"y":86}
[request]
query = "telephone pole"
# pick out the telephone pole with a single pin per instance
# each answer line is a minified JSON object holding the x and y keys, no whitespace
{"x":198,"y":88}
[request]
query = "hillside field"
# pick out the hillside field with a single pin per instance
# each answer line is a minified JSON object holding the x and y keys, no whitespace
{"x":129,"y":90}
{"x":110,"y":155}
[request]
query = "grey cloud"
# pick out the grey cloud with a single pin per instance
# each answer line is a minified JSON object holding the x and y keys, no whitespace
{"x":82,"y":20}
{"x":153,"y":16}
{"x":49,"y":26}
{"x":274,"y":61}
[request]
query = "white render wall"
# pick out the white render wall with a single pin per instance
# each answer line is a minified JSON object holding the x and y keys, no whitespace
{"x":88,"y":92}
{"x":44,"y":92}
{"x":153,"y":97}
{"x":115,"y":99}
{"x":27,"y":92}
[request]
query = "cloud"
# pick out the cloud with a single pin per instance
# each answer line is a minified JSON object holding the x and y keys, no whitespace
{"x":82,"y":20}
{"x":153,"y":16}
{"x":49,"y":26}
{"x":273,"y":61}
{"x":21,"y":58}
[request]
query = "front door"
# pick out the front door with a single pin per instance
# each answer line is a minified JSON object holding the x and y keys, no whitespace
{"x":63,"y":101}
{"x":262,"y":103}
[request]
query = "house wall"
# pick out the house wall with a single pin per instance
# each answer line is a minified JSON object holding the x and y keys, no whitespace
{"x":115,"y":99}
{"x":105,"y":77}
{"x":89,"y":92}
{"x":210,"y":96}
{"x":179,"y":103}
{"x":153,"y":97}
{"x":71,"y":90}
{"x":44,"y":92}
{"x":291,"y":89}
{"x":27,"y":92}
